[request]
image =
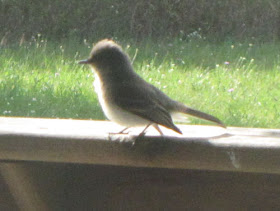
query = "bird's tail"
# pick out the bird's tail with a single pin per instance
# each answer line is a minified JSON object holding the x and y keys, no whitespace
{"x":193,"y":112}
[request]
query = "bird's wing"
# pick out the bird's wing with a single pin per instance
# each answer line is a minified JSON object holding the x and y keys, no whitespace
{"x":144,"y":103}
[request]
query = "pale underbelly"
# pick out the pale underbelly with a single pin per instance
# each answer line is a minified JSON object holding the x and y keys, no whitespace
{"x":114,"y":112}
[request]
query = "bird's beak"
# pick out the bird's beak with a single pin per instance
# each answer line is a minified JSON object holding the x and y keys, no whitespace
{"x":86,"y":61}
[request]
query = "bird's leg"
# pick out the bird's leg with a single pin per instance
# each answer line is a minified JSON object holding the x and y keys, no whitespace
{"x":155,"y":126}
{"x":122,"y":131}
{"x":143,"y":132}
{"x":158,"y":129}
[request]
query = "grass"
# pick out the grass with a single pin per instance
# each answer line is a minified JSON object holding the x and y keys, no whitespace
{"x":237,"y":82}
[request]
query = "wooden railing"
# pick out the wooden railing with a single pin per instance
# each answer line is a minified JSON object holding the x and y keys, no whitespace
{"x":66,"y":142}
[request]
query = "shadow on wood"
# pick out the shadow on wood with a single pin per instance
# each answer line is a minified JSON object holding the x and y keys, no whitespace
{"x":88,"y":187}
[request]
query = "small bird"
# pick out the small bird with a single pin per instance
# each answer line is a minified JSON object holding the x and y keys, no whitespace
{"x":129,"y":100}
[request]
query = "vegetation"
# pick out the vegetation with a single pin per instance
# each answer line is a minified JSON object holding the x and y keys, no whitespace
{"x":237,"y":82}
{"x":221,"y":57}
{"x":216,"y":20}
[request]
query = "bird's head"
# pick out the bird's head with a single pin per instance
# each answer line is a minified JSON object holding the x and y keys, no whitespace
{"x":106,"y":56}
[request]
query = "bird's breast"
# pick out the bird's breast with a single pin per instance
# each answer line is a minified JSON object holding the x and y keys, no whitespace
{"x":112,"y":111}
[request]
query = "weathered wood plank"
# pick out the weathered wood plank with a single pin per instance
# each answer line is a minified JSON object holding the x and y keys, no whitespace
{"x":21,"y":188}
{"x":89,"y":142}
{"x":75,"y":187}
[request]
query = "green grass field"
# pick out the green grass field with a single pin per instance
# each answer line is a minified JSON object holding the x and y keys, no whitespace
{"x":237,"y":82}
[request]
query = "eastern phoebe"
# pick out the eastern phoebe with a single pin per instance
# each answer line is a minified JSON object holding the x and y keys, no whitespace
{"x":129,"y":100}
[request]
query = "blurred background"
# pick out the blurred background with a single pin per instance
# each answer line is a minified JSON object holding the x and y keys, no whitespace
{"x":92,"y":19}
